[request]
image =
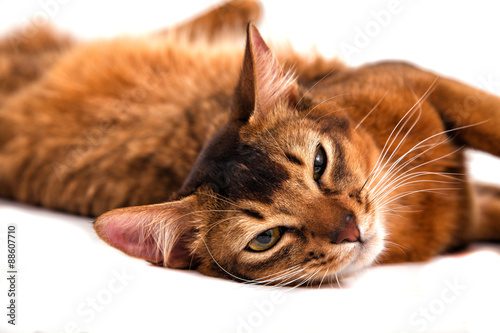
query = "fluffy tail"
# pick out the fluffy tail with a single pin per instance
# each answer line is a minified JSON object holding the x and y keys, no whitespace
{"x":231,"y":17}
{"x":487,"y":226}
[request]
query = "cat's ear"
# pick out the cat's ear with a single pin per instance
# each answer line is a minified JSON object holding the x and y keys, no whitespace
{"x":158,"y":233}
{"x":262,"y":83}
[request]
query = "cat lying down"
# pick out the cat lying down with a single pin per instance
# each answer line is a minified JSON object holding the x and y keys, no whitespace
{"x":245,"y":163}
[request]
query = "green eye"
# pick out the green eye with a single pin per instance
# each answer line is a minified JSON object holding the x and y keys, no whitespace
{"x":319,"y":163}
{"x":265,"y":240}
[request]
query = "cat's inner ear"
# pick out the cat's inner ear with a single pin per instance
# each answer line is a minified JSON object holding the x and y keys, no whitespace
{"x":262,"y":83}
{"x":160,"y":233}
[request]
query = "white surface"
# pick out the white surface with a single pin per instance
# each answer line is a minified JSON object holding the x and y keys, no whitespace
{"x":68,"y":278}
{"x":69,"y":281}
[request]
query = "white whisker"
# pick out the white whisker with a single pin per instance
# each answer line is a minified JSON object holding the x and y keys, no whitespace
{"x":314,"y":85}
{"x":326,"y":273}
{"x":338,"y":282}
{"x":370,"y":112}
{"x":225,"y":271}
{"x":401,"y":176}
{"x":405,"y":194}
{"x":322,"y":102}
{"x":378,"y":166}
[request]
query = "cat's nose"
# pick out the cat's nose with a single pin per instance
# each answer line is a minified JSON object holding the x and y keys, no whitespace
{"x":349,"y":232}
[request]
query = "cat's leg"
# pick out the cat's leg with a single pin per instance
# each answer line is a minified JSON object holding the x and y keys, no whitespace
{"x":473,"y":118}
{"x":230,"y":18}
{"x":475,"y":111}
{"x":487,"y":224}
{"x":471,"y":115}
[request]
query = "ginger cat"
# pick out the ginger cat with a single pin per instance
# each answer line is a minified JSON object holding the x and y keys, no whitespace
{"x":245,"y":164}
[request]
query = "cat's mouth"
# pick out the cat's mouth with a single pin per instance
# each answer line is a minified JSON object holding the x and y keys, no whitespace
{"x":347,"y":260}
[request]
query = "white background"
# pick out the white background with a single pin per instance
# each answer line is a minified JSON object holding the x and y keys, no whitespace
{"x":70,"y":282}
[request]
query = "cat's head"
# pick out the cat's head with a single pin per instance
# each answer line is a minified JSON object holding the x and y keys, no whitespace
{"x":277,"y":196}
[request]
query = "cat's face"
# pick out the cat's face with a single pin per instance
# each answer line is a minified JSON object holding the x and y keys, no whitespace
{"x":284,"y":199}
{"x":277,"y":196}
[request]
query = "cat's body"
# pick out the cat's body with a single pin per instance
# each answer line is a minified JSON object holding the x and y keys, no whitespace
{"x":152,"y":100}
{"x":338,"y":169}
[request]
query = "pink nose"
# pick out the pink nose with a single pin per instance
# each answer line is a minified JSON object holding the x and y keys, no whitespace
{"x":349,"y":232}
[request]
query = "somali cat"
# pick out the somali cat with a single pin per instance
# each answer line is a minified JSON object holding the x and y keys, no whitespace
{"x":257,"y":166}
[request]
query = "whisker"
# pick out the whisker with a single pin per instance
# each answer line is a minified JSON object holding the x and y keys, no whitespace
{"x":416,"y":146}
{"x":222,"y":199}
{"x":333,"y":111}
{"x":370,"y":112}
{"x":408,"y":176}
{"x":276,"y":143}
{"x":395,"y":164}
{"x":392,"y":171}
{"x":338,"y":282}
{"x":315,"y":84}
{"x":386,"y":148}
{"x":402,"y":248}
{"x":382,"y":166}
{"x":390,"y":141}
{"x":279,"y":275}
{"x":294,"y":280}
{"x":326,"y":273}
{"x":225,"y":271}
{"x":425,"y":163}
{"x":308,"y":277}
{"x":377,"y":200}
{"x":322,"y":102}
{"x":405,"y":194}
{"x":311,"y":278}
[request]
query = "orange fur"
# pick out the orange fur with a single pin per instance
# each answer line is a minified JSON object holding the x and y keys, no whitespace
{"x":88,"y":128}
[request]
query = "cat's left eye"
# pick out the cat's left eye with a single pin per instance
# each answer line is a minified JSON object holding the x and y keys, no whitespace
{"x":265,"y":240}
{"x":319,"y":163}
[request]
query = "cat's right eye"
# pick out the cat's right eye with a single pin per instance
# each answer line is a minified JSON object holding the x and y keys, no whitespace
{"x":265,"y":240}
{"x":319,"y":163}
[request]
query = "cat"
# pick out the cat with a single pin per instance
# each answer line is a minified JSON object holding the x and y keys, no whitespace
{"x":245,"y":163}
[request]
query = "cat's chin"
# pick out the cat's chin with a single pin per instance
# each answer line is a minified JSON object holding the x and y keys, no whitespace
{"x":366,"y":257}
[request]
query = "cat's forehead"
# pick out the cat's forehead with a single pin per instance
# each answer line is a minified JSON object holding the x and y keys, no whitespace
{"x":251,"y":161}
{"x":236,"y":169}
